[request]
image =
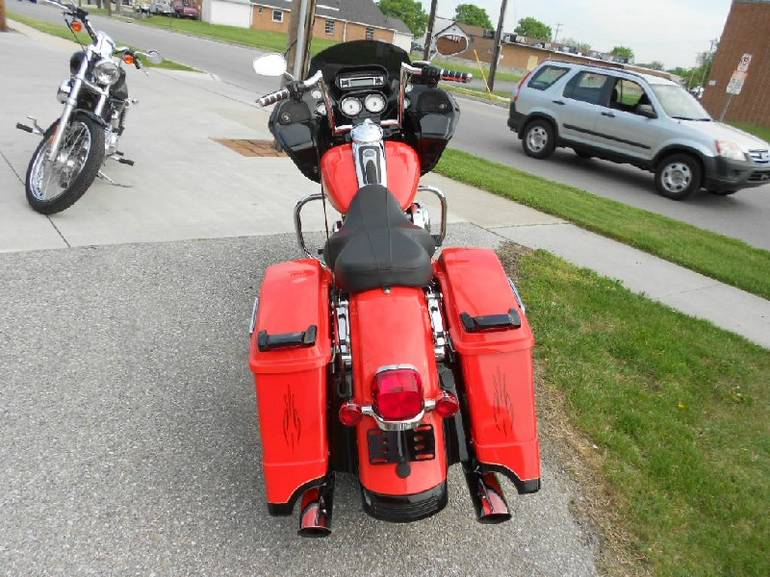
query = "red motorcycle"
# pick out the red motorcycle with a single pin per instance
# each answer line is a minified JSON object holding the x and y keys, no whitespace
{"x":376,"y":361}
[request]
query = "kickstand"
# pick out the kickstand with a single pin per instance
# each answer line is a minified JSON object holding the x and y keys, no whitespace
{"x":103,"y":176}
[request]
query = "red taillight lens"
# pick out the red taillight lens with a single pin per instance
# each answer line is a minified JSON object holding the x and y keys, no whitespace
{"x":350,"y":414}
{"x":447,"y":405}
{"x":521,"y":83}
{"x":397,"y":394}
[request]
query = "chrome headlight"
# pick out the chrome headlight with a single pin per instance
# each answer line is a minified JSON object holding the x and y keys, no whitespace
{"x":64,"y":91}
{"x":106,"y":72}
{"x":730,"y":150}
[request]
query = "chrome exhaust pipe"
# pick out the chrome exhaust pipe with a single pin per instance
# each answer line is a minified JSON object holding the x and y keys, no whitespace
{"x":315,"y":515}
{"x":487,"y":497}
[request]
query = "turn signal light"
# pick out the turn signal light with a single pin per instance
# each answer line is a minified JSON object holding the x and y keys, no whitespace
{"x":128,"y":58}
{"x":76,"y":25}
{"x":397,"y":394}
{"x":447,"y":405}
{"x":350,"y":414}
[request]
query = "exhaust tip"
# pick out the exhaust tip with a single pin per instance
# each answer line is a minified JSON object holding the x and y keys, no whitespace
{"x":315,"y":519}
{"x":487,"y":498}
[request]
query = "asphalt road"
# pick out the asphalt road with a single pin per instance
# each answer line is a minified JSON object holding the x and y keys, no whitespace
{"x":482,"y":131}
{"x":131,"y":446}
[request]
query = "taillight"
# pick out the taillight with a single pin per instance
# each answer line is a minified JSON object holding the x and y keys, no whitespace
{"x":447,"y":405}
{"x":521,"y":83}
{"x":350,"y":414}
{"x":397,"y":394}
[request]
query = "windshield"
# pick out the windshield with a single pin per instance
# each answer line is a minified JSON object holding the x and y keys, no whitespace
{"x":359,"y":53}
{"x":678,"y":103}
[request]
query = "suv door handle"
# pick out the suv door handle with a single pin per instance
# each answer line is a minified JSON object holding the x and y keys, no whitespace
{"x":559,"y":102}
{"x":608,"y":114}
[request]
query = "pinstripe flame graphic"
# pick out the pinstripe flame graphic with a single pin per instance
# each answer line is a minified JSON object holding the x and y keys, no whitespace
{"x":292,"y":424}
{"x":502,"y":408}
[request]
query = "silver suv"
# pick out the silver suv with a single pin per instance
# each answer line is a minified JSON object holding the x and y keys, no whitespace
{"x":644,"y":120}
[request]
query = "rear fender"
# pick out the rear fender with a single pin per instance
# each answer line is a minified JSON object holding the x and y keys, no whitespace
{"x":392,"y":327}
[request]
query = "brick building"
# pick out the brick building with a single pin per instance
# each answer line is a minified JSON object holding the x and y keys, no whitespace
{"x":747,"y":31}
{"x":336,"y":20}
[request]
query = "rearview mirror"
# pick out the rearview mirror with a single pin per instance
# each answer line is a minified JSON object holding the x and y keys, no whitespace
{"x":154,"y":57}
{"x":646,"y":110}
{"x":452,"y":41}
{"x":270,"y":65}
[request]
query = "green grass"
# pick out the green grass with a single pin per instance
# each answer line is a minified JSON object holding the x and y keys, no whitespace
{"x":262,"y":39}
{"x":677,"y":408}
{"x":500,"y":96}
{"x":726,"y":259}
{"x":762,"y":132}
{"x":62,"y":31}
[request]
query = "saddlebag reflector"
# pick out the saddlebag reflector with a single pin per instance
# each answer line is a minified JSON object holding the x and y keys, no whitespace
{"x":290,"y":371}
{"x":507,"y":321}
{"x":267,"y":342}
{"x":496,"y":363}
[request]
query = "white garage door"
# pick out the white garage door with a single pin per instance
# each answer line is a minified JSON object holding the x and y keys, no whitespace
{"x":230,"y":14}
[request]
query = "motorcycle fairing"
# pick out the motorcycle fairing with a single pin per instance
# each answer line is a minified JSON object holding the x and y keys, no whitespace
{"x":494,"y":342}
{"x":289,"y":353}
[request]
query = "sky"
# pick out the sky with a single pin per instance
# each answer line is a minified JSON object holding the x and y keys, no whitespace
{"x":670,"y":31}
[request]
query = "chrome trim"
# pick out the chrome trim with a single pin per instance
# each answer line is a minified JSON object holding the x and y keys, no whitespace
{"x":518,"y":296}
{"x":368,"y":146}
{"x":419,"y":215}
{"x":298,"y":223}
{"x":69,"y":106}
{"x":440,"y":336}
{"x":254,"y":309}
{"x":386,"y":368}
{"x":407,"y":425}
{"x":342,"y":313}
{"x":439,"y":238}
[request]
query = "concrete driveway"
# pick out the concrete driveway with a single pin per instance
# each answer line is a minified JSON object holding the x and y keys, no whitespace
{"x":484,"y":132}
{"x":128,"y":413}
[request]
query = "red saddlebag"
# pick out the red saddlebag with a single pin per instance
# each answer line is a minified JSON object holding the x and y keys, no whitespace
{"x":493,"y":338}
{"x":290,"y":351}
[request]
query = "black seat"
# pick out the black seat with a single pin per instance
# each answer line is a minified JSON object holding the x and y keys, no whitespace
{"x":377,"y":246}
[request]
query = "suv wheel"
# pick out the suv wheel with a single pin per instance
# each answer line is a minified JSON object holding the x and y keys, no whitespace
{"x":539,"y":139}
{"x":678,"y":176}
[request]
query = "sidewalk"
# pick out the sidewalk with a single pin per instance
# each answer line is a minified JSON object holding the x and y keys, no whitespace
{"x":187,"y":186}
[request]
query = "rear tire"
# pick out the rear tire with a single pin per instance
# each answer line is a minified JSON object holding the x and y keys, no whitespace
{"x":678,"y":176}
{"x":77,"y":185}
{"x":539,"y":138}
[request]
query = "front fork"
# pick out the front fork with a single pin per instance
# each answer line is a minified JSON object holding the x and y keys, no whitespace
{"x":69,"y":106}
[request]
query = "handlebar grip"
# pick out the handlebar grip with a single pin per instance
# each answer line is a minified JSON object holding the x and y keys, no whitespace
{"x":274,"y":97}
{"x":452,"y":76}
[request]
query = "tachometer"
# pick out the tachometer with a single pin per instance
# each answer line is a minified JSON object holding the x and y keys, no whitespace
{"x":351,"y":106}
{"x":375,"y":103}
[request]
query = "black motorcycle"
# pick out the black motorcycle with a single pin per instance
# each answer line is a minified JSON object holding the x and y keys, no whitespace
{"x":95,"y":100}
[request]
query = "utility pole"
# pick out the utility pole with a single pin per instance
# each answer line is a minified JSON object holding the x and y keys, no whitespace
{"x":300,"y":36}
{"x":498,"y":47}
{"x":3,"y":25}
{"x":556,"y":34}
{"x":429,"y":31}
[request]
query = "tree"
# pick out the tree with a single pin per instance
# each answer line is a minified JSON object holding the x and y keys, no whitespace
{"x":3,"y":26}
{"x":533,"y":28}
{"x":582,"y":47}
{"x":654,"y":65}
{"x":623,"y":52}
{"x":473,"y":15}
{"x":410,"y":11}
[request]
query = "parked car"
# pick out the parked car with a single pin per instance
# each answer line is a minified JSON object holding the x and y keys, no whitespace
{"x":186,"y":9}
{"x":161,"y":7}
{"x":644,"y":120}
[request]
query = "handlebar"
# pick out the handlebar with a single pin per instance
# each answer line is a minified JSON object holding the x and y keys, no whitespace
{"x":283,"y":93}
{"x":453,"y":76}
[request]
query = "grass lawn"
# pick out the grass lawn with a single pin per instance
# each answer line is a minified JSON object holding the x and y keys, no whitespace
{"x":674,"y":410}
{"x":500,"y":96}
{"x":762,"y":132}
{"x":62,"y":31}
{"x":726,"y":259}
{"x":261,"y":39}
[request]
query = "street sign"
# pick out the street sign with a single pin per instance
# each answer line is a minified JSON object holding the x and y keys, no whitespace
{"x":736,"y":82}
{"x":743,"y":65}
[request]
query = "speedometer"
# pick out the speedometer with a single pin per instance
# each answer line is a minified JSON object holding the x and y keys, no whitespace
{"x":351,"y":106}
{"x":375,"y":103}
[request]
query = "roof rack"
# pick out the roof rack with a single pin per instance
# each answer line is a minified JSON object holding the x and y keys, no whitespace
{"x":603,"y":64}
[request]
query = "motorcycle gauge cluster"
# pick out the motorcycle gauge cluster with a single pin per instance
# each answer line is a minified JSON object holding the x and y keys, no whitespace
{"x":351,"y":106}
{"x":375,"y":103}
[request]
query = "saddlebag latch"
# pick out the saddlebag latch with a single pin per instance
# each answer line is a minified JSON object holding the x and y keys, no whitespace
{"x":508,"y":321}
{"x":267,"y":342}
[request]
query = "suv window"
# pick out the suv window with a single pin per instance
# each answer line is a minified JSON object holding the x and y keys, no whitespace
{"x":626,"y":95}
{"x":587,"y":87}
{"x":546,"y":77}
